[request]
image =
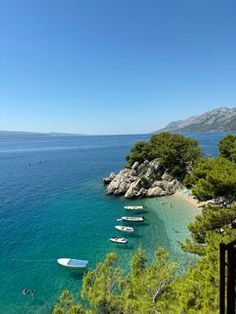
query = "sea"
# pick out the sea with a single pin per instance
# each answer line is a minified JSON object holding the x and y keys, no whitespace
{"x":53,"y":205}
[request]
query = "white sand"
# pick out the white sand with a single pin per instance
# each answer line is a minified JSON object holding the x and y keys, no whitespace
{"x":189,"y":198}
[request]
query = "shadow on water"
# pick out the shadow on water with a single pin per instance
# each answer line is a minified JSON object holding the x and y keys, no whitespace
{"x":143,"y":224}
{"x":78,"y":274}
{"x":128,"y":247}
{"x":136,"y":224}
{"x":135,"y":213}
{"x":133,"y":235}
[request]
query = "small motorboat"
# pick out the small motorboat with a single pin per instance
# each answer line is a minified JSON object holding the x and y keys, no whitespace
{"x":133,"y":219}
{"x":134,"y":207}
{"x":72,"y":263}
{"x":119,"y":240}
{"x":125,"y":229}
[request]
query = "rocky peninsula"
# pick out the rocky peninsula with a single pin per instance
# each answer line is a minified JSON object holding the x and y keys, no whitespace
{"x":146,"y":179}
{"x":155,"y":168}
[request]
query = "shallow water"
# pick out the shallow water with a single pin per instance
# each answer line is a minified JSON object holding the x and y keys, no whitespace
{"x":52,"y":205}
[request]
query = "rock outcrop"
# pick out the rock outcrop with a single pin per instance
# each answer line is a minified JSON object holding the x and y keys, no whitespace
{"x":109,"y":178}
{"x":149,"y":179}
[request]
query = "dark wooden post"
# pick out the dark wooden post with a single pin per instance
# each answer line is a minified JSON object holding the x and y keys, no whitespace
{"x":229,"y":294}
{"x":231,"y":263}
{"x":222,"y":278}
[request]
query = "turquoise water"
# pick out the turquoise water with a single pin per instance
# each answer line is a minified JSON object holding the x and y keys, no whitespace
{"x":52,"y":205}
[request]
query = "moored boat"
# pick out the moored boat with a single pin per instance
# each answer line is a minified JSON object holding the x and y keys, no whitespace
{"x":125,"y":229}
{"x":133,"y":219}
{"x":119,"y":240}
{"x":72,"y":263}
{"x":134,"y":207}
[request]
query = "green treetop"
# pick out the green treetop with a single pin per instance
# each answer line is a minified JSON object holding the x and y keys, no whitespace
{"x":175,"y":151}
{"x":108,"y":292}
{"x":227,"y":147}
{"x":213,"y":178}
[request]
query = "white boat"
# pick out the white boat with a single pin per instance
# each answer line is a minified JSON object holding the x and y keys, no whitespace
{"x":124,"y":228}
{"x":119,"y":240}
{"x":72,"y":263}
{"x":133,"y":219}
{"x":133,"y":207}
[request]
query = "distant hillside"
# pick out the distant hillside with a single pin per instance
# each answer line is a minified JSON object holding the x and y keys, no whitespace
{"x":221,"y":119}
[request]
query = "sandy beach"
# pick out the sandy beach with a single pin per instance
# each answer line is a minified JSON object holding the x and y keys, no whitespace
{"x":189,"y":198}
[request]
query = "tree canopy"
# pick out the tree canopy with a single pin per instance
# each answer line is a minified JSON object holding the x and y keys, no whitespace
{"x":175,"y":151}
{"x":214,"y":178}
{"x":227,"y":147}
{"x":108,"y":291}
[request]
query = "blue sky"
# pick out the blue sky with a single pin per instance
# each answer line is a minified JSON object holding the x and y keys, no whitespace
{"x":114,"y":67}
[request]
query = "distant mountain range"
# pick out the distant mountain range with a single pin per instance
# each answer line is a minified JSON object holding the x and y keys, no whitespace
{"x":221,"y":119}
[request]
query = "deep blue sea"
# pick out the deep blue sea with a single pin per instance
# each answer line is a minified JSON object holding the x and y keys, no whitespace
{"x":52,"y":205}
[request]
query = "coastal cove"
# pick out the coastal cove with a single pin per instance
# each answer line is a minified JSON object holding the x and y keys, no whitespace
{"x":53,"y":205}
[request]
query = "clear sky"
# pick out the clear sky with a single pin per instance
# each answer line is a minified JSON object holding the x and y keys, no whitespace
{"x":114,"y":66}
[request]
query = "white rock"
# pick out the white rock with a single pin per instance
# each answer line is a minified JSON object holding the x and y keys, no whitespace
{"x":167,"y":177}
{"x":121,"y":182}
{"x":134,"y":189}
{"x":135,"y":165}
{"x":156,"y":191}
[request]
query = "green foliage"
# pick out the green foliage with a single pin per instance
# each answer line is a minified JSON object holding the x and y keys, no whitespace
{"x":139,"y":152}
{"x":188,"y":181}
{"x":144,"y":179}
{"x":175,"y":151}
{"x":227,"y":147}
{"x":144,"y":286}
{"x":214,"y":178}
{"x":101,"y":284}
{"x":213,"y":219}
{"x":138,"y":292}
{"x":67,"y":305}
{"x":198,"y":292}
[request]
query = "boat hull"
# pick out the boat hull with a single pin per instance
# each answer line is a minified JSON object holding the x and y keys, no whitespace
{"x":134,"y":207}
{"x":119,"y":240}
{"x":125,"y":229}
{"x":72,"y":263}
{"x":133,"y":219}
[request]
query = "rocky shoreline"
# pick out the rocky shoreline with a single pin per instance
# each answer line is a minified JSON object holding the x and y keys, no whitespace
{"x":146,"y":179}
